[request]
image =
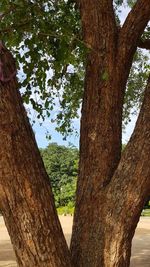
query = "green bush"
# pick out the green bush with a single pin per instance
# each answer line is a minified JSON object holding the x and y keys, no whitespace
{"x":65,"y":210}
{"x":145,"y":212}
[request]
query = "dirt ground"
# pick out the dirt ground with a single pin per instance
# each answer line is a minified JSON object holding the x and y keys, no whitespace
{"x":140,"y":247}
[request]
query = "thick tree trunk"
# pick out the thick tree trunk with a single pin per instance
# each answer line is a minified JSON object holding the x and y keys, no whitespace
{"x":26,"y":199}
{"x":110,"y":191}
{"x":107,"y":213}
{"x":100,"y":152}
{"x":101,"y":127}
{"x":96,"y":241}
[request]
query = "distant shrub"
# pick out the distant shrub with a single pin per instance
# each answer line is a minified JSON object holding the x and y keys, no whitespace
{"x":65,"y":210}
{"x":145,"y":212}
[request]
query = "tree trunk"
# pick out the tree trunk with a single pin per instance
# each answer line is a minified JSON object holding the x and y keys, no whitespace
{"x":100,"y":152}
{"x":131,"y":185}
{"x":111,"y":191}
{"x":26,"y":198}
{"x":108,"y":207}
{"x":96,"y":240}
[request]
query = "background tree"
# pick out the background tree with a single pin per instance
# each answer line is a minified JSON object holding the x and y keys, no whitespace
{"x":61,"y":164}
{"x":111,"y":189}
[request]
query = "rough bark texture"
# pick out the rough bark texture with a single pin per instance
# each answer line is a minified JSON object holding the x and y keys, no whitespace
{"x":98,"y":160}
{"x":26,"y":199}
{"x":108,"y":65}
{"x":128,"y":191}
{"x":111,"y":189}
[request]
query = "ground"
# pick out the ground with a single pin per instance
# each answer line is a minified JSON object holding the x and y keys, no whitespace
{"x":140,"y":247}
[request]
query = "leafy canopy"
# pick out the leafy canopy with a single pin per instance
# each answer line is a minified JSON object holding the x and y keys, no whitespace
{"x":61,"y":164}
{"x":46,"y":39}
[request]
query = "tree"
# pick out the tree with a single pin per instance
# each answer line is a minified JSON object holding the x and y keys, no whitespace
{"x":111,"y":189}
{"x":61,"y":164}
{"x":26,"y":197}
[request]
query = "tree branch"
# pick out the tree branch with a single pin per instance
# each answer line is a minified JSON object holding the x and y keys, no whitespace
{"x":132,"y":30}
{"x":131,"y":180}
{"x":145,"y":44}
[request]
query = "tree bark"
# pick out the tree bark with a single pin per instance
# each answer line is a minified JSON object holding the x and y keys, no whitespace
{"x":110,"y":190}
{"x":145,"y":44}
{"x":128,"y":191}
{"x":26,"y":199}
{"x":108,"y":66}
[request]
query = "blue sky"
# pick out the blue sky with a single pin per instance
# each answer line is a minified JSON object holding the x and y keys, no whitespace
{"x":42,"y":141}
{"x":40,"y":134}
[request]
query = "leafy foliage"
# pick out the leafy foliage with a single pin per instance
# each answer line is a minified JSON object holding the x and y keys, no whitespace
{"x":45,"y":37}
{"x":61,"y":164}
{"x":135,"y":86}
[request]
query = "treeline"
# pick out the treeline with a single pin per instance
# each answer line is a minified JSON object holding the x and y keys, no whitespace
{"x":62,"y":167}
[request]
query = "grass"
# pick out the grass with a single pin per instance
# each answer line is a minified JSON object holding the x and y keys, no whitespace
{"x":65,"y":210}
{"x":145,"y":212}
{"x":70,"y":210}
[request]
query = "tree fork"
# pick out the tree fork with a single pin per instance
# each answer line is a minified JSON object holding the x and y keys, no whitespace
{"x":108,"y":66}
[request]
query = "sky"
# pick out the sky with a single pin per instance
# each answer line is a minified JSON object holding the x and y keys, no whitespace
{"x":42,"y":141}
{"x":40,"y":131}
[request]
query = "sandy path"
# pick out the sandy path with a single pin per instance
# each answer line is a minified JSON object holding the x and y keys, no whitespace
{"x":140,"y":248}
